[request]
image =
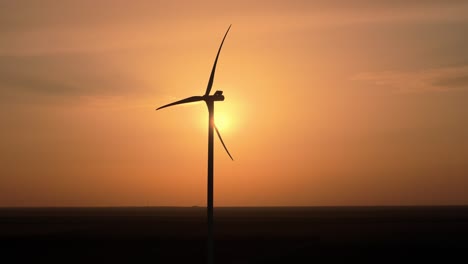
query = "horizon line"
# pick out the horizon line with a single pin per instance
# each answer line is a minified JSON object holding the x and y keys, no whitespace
{"x":233,"y":206}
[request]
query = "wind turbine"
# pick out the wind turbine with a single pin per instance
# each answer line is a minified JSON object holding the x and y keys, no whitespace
{"x":209,"y":100}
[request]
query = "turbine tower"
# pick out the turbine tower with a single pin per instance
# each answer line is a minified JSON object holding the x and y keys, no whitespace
{"x":209,"y":100}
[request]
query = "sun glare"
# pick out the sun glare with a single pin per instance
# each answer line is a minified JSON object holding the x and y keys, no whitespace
{"x":222,"y":121}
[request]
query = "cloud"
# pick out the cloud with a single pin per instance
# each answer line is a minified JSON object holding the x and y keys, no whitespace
{"x":64,"y":75}
{"x":460,"y":81}
{"x":427,"y":80}
{"x":37,"y":27}
{"x":56,"y":47}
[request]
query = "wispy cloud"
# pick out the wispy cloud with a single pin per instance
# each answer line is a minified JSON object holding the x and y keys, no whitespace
{"x":64,"y":75}
{"x":427,"y":80}
{"x":38,"y":27}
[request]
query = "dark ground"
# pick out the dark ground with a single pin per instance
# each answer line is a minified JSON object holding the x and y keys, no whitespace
{"x":242,"y":235}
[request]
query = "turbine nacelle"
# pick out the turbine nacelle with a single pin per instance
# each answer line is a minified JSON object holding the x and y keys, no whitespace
{"x":217,"y":96}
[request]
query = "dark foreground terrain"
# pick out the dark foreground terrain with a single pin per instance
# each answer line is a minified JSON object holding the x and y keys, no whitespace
{"x":242,"y":235}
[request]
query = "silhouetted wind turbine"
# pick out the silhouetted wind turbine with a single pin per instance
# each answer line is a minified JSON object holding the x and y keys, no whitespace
{"x":209,"y":99}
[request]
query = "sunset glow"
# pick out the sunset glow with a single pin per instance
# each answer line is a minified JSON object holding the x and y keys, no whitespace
{"x":327,"y":102}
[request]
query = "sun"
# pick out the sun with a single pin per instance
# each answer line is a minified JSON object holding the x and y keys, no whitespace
{"x":222,"y":121}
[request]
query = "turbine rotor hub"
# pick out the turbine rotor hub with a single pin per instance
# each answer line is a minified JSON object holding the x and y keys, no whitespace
{"x":217,"y":96}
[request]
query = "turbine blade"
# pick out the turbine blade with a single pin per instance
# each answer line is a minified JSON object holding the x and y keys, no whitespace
{"x":222,"y":142}
{"x":183,"y":101}
{"x":210,"y":82}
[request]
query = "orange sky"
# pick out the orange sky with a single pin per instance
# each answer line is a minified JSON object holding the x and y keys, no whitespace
{"x":327,"y":102}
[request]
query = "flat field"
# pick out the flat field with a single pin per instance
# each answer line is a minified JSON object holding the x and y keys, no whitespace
{"x":242,"y":235}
